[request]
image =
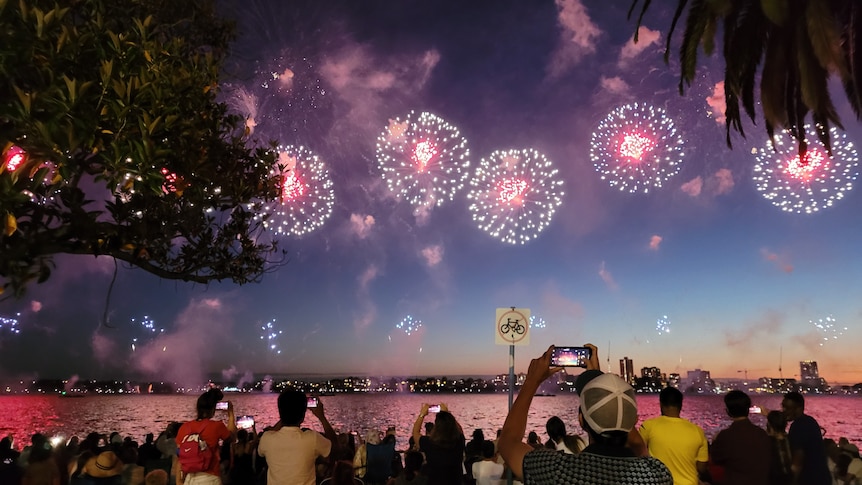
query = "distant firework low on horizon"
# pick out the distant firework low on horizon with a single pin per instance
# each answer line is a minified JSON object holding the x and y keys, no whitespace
{"x":10,"y":325}
{"x":270,"y":334}
{"x":514,"y":195}
{"x":409,"y":325}
{"x":809,"y":183}
{"x":147,"y":326}
{"x":636,"y":148}
{"x":828,"y":328}
{"x":423,"y":159}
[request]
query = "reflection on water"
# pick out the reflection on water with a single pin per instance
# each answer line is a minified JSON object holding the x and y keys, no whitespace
{"x":136,"y":416}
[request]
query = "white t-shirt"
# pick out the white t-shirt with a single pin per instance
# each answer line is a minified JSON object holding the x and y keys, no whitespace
{"x":855,"y":469}
{"x":290,"y":454}
{"x":487,"y":472}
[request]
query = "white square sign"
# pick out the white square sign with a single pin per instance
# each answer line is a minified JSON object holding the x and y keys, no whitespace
{"x":512,"y":326}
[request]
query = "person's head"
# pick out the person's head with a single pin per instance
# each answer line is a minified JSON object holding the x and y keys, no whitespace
{"x":446,"y":430}
{"x":488,"y":450}
{"x":242,"y":436}
{"x":207,"y":401}
{"x":670,"y":401}
{"x":172,"y":429}
{"x":6,"y":443}
{"x":608,"y":410}
{"x":149,"y":438}
{"x":832,"y":449}
{"x":556,"y":429}
{"x":291,"y":407}
{"x":737,"y":404}
{"x":533,"y":438}
{"x":478,"y":435}
{"x":842,"y":463}
{"x":372,"y":437}
{"x":793,"y":405}
{"x":428,"y":427}
{"x":776,"y":422}
{"x":413,"y":461}
{"x":156,"y":477}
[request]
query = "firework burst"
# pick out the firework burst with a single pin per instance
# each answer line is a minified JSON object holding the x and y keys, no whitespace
{"x":305,"y":198}
{"x":147,"y":327}
{"x":409,"y":325}
{"x":828,"y":328}
{"x":662,"y":325}
{"x":424,"y":160}
{"x":636,"y":148}
{"x":269,"y":333}
{"x":537,"y":322}
{"x":515,"y":194}
{"x":10,"y":325}
{"x":809,"y":183}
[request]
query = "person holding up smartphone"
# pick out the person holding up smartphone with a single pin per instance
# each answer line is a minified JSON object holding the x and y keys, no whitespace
{"x":289,"y":450}
{"x":198,"y":442}
{"x":443,"y":447}
{"x":607,"y":412}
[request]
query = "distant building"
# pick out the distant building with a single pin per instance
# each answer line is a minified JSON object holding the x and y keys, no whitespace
{"x":627,"y":370}
{"x":700,"y":382}
{"x":673,"y":379}
{"x":777,"y":385}
{"x":810,"y":377}
{"x":650,"y":380}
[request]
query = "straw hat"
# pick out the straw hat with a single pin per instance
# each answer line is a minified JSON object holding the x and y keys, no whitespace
{"x":105,"y":464}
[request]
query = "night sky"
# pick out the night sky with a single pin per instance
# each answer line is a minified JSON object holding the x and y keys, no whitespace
{"x":739,"y":282}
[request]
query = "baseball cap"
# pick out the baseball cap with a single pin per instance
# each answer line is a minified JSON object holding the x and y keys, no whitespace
{"x":608,"y":404}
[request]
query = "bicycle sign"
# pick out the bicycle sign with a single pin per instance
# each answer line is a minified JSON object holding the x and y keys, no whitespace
{"x":512,"y":326}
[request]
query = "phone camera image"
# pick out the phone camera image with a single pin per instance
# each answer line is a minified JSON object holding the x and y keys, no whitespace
{"x":221,"y":405}
{"x":434,"y":408}
{"x":570,"y":356}
{"x":245,"y":422}
{"x":312,"y":402}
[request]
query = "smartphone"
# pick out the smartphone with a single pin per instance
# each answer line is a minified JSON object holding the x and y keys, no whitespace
{"x":221,"y":405}
{"x":312,"y":402}
{"x":245,"y":422}
{"x":433,"y":408}
{"x":571,"y":356}
{"x":754,"y":409}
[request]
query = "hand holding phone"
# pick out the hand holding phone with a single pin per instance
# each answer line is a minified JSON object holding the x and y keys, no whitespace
{"x":571,"y":356}
{"x":312,"y":402}
{"x":245,"y":422}
{"x":754,"y":410}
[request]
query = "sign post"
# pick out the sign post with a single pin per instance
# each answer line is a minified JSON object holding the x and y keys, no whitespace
{"x":512,"y":327}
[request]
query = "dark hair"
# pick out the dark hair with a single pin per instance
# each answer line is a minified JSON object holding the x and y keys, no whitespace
{"x":428,"y":427}
{"x":488,"y":449}
{"x":291,"y":407}
{"x":796,"y":398}
{"x":556,"y":428}
{"x":413,"y":461}
{"x":207,"y":403}
{"x":737,"y":403}
{"x":532,"y":438}
{"x":478,"y":435}
{"x":670,"y":397}
{"x":842,"y":463}
{"x":81,"y":461}
{"x":777,"y":421}
{"x":445,"y":432}
{"x":342,"y":473}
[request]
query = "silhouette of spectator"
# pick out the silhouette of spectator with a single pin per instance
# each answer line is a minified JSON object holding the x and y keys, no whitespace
{"x":743,"y":449}
{"x":806,"y":443}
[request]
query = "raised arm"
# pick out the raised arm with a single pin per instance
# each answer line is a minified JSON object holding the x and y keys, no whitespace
{"x":417,"y":425}
{"x":328,"y":432}
{"x":511,"y":442}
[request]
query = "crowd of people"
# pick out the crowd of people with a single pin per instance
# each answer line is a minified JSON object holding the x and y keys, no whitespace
{"x":663,"y":450}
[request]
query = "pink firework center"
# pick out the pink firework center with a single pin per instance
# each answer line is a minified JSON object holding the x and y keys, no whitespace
{"x":807,"y":167}
{"x":423,"y":153}
{"x":635,"y":146}
{"x":292,"y":188}
{"x":512,"y":190}
{"x":14,"y":158}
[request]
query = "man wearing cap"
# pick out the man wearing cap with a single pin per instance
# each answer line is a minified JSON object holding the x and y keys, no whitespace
{"x":677,"y":442}
{"x":607,"y":412}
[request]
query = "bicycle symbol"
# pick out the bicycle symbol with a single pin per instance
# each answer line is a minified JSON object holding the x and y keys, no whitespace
{"x":513,"y":325}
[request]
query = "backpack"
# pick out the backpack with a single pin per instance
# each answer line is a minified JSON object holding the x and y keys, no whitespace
{"x":195,"y":455}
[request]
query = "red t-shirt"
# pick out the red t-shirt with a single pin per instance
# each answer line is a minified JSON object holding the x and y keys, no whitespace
{"x":211,"y":431}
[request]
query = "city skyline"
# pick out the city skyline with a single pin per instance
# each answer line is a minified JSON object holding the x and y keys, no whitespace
{"x":695,"y":268}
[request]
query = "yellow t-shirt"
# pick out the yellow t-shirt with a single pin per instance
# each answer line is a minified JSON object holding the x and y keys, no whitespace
{"x":677,"y":443}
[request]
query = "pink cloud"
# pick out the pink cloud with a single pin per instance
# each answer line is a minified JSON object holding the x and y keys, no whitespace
{"x":361,"y":226}
{"x":35,"y":306}
{"x":433,"y":255}
{"x":693,"y":186}
{"x":367,"y":309}
{"x":578,"y":35}
{"x":717,"y":104}
{"x":654,"y":242}
{"x":779,"y":261}
{"x":614,"y":85}
{"x":607,"y":277}
{"x":646,"y":38}
{"x":724,"y":180}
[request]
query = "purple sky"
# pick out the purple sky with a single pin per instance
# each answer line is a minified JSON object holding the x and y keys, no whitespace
{"x":740,"y":282}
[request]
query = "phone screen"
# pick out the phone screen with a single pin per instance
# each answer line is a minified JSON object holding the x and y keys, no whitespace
{"x":245,"y":422}
{"x":570,"y":356}
{"x":754,"y":409}
{"x":312,"y":402}
{"x":434,"y":408}
{"x":221,"y":405}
